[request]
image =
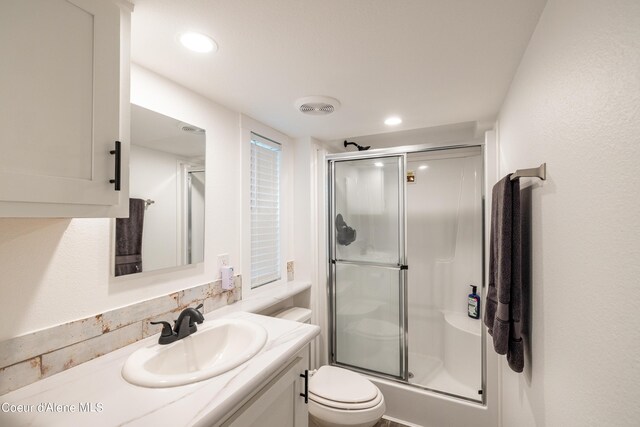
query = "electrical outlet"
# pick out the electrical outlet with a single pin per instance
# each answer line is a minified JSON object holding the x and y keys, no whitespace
{"x":223,"y":260}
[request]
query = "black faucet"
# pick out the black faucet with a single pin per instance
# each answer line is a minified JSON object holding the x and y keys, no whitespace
{"x":183,"y":327}
{"x":186,"y":323}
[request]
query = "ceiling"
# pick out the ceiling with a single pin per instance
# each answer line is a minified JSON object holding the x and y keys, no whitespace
{"x":431,"y":62}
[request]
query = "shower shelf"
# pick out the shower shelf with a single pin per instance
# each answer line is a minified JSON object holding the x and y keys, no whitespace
{"x":463,"y":322}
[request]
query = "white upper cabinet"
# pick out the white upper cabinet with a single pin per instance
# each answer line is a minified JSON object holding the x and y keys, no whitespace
{"x":64,"y":95}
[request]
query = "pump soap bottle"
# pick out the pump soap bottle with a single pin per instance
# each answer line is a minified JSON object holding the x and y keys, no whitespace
{"x":474,"y":303}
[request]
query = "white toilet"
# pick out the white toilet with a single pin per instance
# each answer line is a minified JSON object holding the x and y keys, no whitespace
{"x":339,"y":397}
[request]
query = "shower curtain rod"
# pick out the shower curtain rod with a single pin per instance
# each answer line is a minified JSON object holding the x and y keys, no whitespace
{"x":539,"y":172}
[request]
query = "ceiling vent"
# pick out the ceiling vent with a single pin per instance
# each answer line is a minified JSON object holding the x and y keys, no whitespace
{"x":317,"y":105}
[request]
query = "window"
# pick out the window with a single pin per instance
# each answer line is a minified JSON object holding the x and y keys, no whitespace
{"x":265,"y":211}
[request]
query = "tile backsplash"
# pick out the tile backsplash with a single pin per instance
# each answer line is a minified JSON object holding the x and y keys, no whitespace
{"x":31,"y":357}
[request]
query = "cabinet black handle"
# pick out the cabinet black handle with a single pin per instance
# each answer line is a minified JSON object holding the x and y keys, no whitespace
{"x":116,"y":180}
{"x":306,"y":386}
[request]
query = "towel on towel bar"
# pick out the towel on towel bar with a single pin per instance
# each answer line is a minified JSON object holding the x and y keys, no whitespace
{"x":129,"y":239}
{"x":503,"y":308}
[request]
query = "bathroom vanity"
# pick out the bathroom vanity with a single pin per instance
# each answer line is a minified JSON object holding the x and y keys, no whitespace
{"x":280,"y":402}
{"x":265,"y":390}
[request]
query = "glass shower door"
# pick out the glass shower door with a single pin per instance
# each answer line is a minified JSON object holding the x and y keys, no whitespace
{"x":368,"y":272}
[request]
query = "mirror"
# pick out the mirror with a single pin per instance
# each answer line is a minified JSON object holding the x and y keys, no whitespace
{"x":165,"y":227}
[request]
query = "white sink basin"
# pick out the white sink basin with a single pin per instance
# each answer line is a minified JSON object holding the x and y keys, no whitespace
{"x":217,"y":347}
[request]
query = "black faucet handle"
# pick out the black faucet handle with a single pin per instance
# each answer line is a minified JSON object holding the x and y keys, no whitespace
{"x":199,"y":307}
{"x":167,"y":330}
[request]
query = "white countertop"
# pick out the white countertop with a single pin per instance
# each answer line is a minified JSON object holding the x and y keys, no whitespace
{"x":263,"y":298}
{"x":116,"y":402}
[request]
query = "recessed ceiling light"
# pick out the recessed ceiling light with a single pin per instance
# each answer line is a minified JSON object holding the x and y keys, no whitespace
{"x":198,"y":42}
{"x":392,"y":121}
{"x":423,"y":167}
{"x":378,"y":164}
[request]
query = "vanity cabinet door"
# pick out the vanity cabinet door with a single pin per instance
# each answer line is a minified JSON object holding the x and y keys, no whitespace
{"x":278,"y":403}
{"x":60,"y":98}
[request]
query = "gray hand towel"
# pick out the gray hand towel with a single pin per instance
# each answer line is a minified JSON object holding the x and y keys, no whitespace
{"x":503,"y":308}
{"x":129,"y":239}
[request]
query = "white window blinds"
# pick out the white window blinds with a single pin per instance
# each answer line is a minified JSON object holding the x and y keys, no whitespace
{"x":265,"y":211}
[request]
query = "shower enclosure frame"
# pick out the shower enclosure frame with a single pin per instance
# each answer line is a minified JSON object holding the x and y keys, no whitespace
{"x":401,"y":267}
{"x":400,"y":152}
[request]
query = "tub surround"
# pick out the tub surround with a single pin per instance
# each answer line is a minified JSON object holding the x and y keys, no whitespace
{"x":116,"y":402}
{"x":40,"y":354}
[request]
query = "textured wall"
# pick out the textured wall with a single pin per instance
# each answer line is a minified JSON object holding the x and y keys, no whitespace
{"x":575,"y":104}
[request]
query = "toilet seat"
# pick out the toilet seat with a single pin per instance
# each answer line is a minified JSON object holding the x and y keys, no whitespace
{"x":345,"y":406}
{"x":340,"y":397}
{"x":341,"y":386}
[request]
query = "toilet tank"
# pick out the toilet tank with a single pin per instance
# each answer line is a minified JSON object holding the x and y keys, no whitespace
{"x":297,"y":314}
{"x":302,"y":315}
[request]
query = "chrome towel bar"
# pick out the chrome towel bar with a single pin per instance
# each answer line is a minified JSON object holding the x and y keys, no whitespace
{"x":539,"y":172}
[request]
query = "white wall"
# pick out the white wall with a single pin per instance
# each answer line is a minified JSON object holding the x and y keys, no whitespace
{"x":58,"y":270}
{"x":434,"y":136}
{"x":304,"y":213}
{"x":575,"y":104}
{"x":309,"y":219}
